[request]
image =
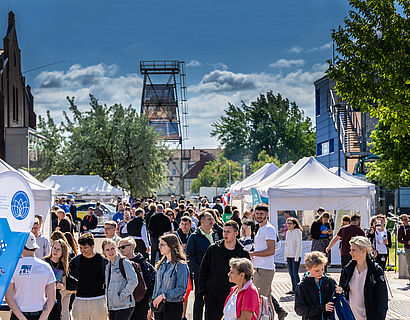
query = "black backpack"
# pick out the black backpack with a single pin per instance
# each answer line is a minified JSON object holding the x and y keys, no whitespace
{"x":141,"y":289}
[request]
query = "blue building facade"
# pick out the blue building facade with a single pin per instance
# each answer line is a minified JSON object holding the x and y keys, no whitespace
{"x":327,"y":142}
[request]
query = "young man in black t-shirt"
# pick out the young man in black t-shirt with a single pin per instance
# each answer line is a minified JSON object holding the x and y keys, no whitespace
{"x":89,"y":269}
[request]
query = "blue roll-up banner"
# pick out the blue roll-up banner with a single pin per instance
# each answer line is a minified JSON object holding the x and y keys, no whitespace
{"x":16,"y":221}
{"x":256,"y":198}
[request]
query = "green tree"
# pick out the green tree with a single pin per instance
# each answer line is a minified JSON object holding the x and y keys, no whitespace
{"x":233,"y":133}
{"x":371,"y":71}
{"x":263,"y":158}
{"x":393,"y":167}
{"x":115,"y":143}
{"x":217,"y":172}
{"x":270,"y":123}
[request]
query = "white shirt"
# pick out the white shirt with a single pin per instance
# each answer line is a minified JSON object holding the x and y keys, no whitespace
{"x":293,"y":244}
{"x":379,"y":237}
{"x":356,"y":294}
{"x":30,"y":279}
{"x":230,"y":308}
{"x":267,"y":232}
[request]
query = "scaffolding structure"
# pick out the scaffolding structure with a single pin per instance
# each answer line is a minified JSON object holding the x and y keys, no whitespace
{"x":164,"y":102}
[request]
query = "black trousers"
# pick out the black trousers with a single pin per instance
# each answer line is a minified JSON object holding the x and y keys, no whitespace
{"x":154,"y":250}
{"x":345,"y":260}
{"x":27,"y":315}
{"x":381,"y":260}
{"x":214,"y":307}
{"x":123,"y":314}
{"x":141,"y":309}
{"x":172,"y":311}
{"x":199,"y":301}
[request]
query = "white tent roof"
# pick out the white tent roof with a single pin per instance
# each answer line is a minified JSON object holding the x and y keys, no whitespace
{"x":346,"y":175}
{"x":270,"y":180}
{"x":82,"y":185}
{"x":309,"y":185}
{"x":259,"y":175}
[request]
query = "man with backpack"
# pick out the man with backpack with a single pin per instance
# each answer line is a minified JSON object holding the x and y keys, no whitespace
{"x":127,"y":247}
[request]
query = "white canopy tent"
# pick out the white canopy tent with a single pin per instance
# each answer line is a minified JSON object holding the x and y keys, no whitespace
{"x":236,"y":190}
{"x":83,"y":186}
{"x":309,"y":185}
{"x":43,"y":195}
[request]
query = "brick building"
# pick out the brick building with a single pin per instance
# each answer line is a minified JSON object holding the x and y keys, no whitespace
{"x":17,"y":117}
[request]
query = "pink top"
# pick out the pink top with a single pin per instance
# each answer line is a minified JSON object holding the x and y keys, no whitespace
{"x":356,"y":294}
{"x":247,"y":299}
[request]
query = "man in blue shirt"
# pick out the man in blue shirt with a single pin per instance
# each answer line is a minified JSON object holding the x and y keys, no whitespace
{"x":63,"y":205}
{"x":119,"y":216}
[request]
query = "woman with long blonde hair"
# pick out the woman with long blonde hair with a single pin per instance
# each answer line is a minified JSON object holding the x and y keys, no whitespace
{"x":171,"y":280}
{"x":58,"y":260}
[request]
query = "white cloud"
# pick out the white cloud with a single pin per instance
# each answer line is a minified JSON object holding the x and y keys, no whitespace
{"x":295,"y":49}
{"x":326,"y":46}
{"x":194,"y":63}
{"x":219,"y":65}
{"x":284,"y":63}
{"x":222,"y":80}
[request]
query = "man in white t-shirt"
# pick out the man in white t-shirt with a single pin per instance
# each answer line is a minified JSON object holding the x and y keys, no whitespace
{"x":32,"y":290}
{"x":262,"y":257}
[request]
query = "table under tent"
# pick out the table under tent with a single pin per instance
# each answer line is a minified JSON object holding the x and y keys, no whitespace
{"x":307,"y":186}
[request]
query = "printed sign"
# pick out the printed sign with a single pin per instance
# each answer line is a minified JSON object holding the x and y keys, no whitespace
{"x":16,"y":220}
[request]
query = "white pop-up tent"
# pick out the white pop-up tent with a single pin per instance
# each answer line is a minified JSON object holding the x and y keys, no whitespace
{"x":309,"y":185}
{"x":43,"y":196}
{"x":257,"y":176}
{"x":83,"y":186}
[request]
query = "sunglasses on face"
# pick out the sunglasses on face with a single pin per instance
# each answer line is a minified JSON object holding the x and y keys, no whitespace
{"x":123,"y":246}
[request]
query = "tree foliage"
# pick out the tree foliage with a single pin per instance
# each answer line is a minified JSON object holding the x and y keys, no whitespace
{"x":111,"y":141}
{"x":270,"y":123}
{"x":393,"y":167}
{"x":371,"y":71}
{"x":217,"y":172}
{"x":263,"y":158}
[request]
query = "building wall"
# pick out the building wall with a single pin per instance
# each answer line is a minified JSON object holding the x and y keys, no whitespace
{"x":326,"y":134}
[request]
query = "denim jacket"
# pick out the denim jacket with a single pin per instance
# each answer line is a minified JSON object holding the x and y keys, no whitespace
{"x":173,"y":288}
{"x":119,"y":290}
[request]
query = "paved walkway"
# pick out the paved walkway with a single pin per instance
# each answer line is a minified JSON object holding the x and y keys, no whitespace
{"x":399,"y":302}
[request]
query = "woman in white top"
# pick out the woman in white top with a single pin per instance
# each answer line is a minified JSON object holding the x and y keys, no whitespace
{"x":380,"y":239}
{"x":363,"y":283}
{"x":293,"y":251}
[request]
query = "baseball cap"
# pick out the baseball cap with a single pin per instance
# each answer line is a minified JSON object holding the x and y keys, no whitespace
{"x":31,"y":242}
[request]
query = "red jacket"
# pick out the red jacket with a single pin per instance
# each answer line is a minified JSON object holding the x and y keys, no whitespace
{"x":247,"y":299}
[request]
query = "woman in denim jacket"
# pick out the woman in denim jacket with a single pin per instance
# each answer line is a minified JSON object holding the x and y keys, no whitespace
{"x":119,"y":290}
{"x":171,"y":280}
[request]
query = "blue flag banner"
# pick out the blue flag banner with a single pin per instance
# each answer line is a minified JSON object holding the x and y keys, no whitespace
{"x":256,"y":198}
{"x":16,"y":221}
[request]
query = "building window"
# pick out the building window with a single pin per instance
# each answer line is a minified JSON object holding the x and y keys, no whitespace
{"x":174,"y":172}
{"x":332,"y":145}
{"x":317,"y":100}
{"x":325,"y":147}
{"x":319,"y":149}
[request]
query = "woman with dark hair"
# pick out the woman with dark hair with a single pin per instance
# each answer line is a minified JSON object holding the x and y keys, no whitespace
{"x":171,"y":280}
{"x":72,"y":244}
{"x":227,"y":213}
{"x":320,"y":231}
{"x":363,"y":282}
{"x":58,"y":260}
{"x":58,"y":235}
{"x":293,"y":251}
{"x":235,"y":217}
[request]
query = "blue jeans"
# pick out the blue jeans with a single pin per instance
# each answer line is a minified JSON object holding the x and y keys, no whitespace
{"x":293,"y":268}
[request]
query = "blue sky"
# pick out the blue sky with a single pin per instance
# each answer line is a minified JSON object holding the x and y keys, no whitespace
{"x":234,"y":50}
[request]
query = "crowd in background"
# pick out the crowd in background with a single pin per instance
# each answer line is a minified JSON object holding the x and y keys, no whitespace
{"x":156,"y":252}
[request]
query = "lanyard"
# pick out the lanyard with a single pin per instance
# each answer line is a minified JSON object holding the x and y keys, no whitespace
{"x":320,"y":295}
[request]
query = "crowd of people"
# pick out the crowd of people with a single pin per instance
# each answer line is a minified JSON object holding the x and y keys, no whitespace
{"x":155,"y":252}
